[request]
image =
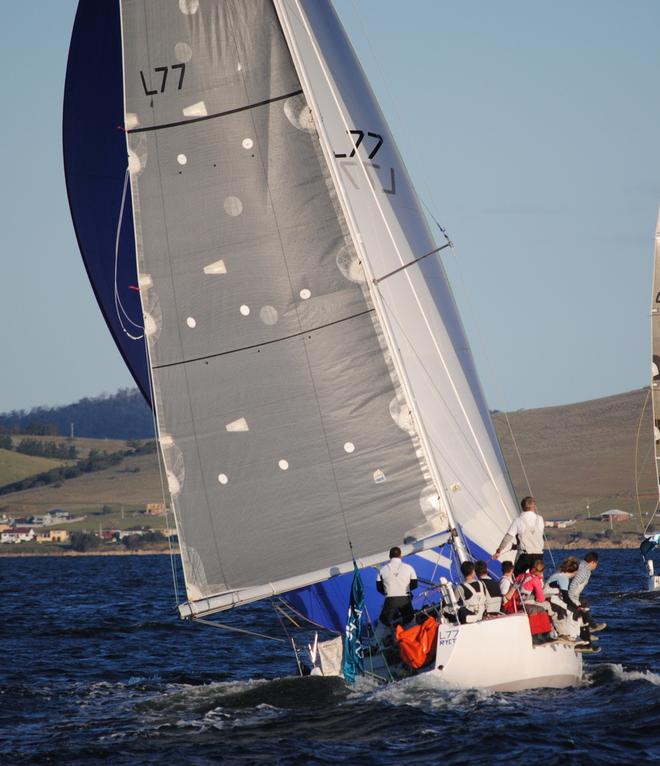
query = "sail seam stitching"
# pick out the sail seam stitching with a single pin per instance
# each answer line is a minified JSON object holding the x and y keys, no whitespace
{"x":265,"y":343}
{"x":245,"y":108}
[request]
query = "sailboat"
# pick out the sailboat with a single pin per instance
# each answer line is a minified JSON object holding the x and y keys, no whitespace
{"x":261,"y":258}
{"x":650,"y":541}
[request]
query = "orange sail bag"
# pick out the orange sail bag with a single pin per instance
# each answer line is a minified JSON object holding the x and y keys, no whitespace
{"x":417,"y":644}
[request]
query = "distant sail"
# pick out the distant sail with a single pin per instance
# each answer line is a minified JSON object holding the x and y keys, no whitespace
{"x":655,"y":361}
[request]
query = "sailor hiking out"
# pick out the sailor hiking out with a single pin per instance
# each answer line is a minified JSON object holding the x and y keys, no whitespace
{"x":577,"y":585}
{"x":528,"y":530}
{"x":395,"y":581}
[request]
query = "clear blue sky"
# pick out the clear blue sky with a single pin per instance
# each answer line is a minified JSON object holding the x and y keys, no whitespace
{"x":531,"y":129}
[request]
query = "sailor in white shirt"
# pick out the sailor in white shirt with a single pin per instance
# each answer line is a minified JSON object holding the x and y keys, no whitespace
{"x":528,"y":528}
{"x":395,"y":581}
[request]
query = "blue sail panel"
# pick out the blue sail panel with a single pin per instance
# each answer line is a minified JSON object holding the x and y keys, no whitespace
{"x":95,"y":161}
{"x":326,"y":603}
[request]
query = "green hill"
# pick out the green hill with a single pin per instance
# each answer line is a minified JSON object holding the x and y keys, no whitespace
{"x":15,"y":467}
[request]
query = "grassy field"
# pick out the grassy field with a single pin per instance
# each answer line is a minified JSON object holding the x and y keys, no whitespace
{"x":14,"y":466}
{"x":132,"y":483}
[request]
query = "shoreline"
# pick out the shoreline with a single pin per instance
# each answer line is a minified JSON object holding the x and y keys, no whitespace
{"x":576,"y":545}
{"x":141,"y":552}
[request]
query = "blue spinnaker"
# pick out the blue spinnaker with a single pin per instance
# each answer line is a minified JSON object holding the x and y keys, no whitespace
{"x":95,"y":163}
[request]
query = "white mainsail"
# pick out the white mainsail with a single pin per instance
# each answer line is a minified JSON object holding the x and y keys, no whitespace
{"x":306,"y":414}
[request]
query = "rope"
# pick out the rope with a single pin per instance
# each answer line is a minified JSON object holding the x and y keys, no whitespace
{"x":119,"y":306}
{"x":306,"y":619}
{"x":638,"y":470}
{"x":224,"y":626}
{"x":520,"y":460}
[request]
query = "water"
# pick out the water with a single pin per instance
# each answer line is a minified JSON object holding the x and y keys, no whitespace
{"x":96,"y":667}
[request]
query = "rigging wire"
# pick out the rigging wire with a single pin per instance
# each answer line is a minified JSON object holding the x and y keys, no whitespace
{"x":520,"y":460}
{"x":234,"y":629}
{"x":638,"y":469}
{"x":119,"y":306}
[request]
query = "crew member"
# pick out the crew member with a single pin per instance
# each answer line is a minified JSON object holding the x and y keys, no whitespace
{"x":578,"y":584}
{"x":395,"y":581}
{"x":493,"y":592}
{"x":528,"y":529}
{"x":472,"y":594}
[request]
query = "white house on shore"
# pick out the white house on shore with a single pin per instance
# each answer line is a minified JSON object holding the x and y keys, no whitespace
{"x":17,"y":535}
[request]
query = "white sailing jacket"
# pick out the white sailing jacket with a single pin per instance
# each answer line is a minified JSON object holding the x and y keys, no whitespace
{"x":528,"y":527}
{"x":396,"y":577}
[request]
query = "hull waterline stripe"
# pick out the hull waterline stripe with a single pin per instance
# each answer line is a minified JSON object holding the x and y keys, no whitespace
{"x":179,"y":123}
{"x":260,"y":345}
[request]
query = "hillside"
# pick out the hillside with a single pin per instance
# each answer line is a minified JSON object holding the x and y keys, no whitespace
{"x":575,"y":456}
{"x":133,"y":482}
{"x":581,"y":455}
{"x":14,"y":466}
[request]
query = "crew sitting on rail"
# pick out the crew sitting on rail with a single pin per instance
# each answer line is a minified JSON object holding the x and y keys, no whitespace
{"x":531,"y":587}
{"x":510,"y":597}
{"x":493,"y":594}
{"x":556,"y":589}
{"x":471,"y":593}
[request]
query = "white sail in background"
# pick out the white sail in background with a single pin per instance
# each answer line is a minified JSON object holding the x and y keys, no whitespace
{"x":305,"y":415}
{"x":655,"y":339}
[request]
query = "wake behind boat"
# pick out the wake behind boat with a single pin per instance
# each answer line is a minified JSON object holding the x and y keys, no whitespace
{"x":314,"y":393}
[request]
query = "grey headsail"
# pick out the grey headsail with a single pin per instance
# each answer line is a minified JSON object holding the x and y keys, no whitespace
{"x":285,"y":433}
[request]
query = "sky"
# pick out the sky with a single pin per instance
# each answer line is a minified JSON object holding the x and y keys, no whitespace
{"x":530,"y":131}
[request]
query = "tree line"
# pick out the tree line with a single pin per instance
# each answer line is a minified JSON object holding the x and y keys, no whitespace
{"x":123,"y":415}
{"x":37,"y":448}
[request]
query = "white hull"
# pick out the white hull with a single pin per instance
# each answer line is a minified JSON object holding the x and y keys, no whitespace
{"x":653,"y":582}
{"x":497,"y":654}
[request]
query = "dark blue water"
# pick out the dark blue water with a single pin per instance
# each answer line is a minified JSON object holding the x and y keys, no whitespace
{"x":97,"y":668}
